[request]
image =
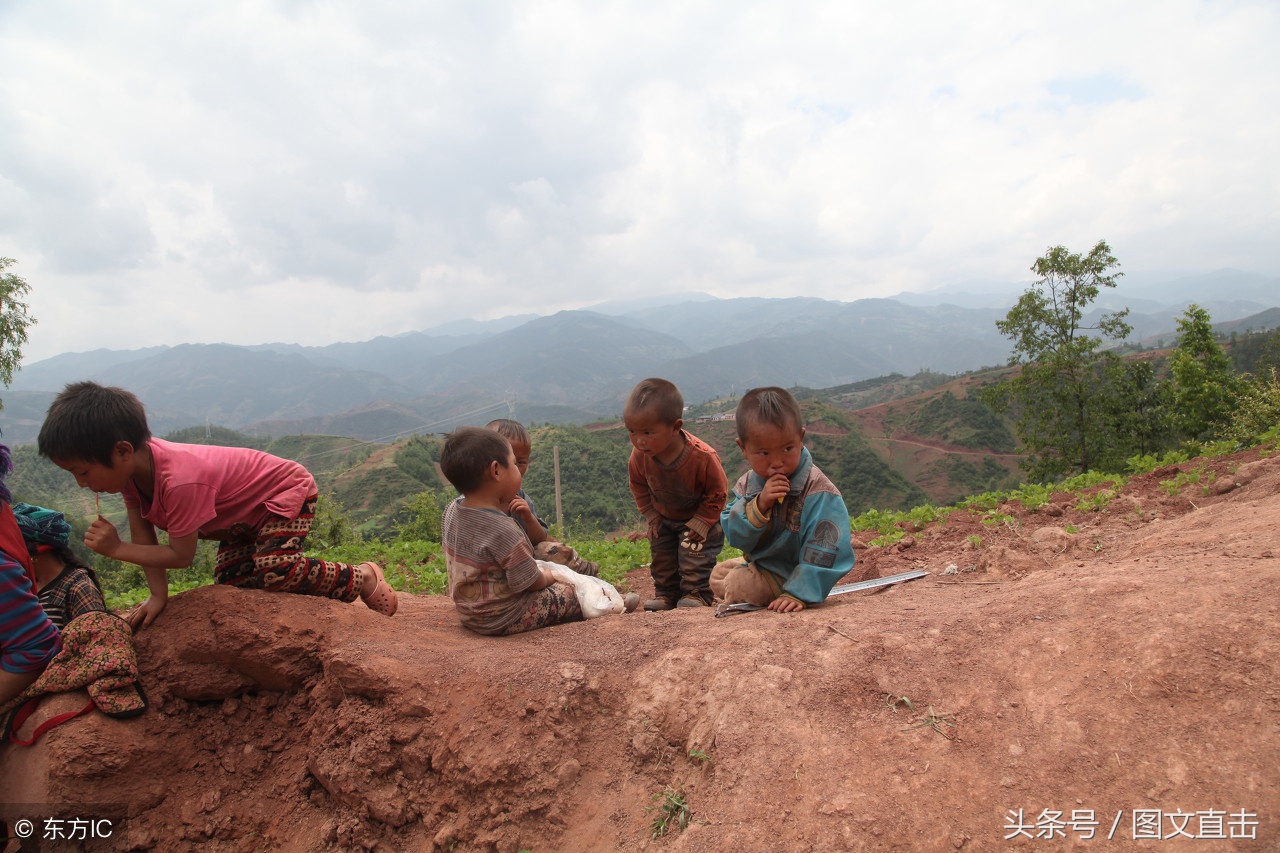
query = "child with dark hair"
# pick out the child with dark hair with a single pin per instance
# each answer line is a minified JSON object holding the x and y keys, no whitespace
{"x":28,"y":640}
{"x":521,"y":508}
{"x":786,"y":516}
{"x":66,"y":586}
{"x":496,"y":584}
{"x":97,"y":646}
{"x":258,"y":507}
{"x":680,"y":488}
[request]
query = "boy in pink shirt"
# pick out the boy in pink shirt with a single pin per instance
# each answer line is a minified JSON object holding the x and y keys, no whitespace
{"x":256,"y":506}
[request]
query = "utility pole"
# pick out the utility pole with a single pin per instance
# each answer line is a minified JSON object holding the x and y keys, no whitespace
{"x":555,"y":458}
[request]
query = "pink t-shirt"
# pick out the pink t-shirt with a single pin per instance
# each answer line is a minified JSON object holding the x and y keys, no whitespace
{"x":206,"y":489}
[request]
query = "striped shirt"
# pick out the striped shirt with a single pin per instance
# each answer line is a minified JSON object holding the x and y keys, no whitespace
{"x":72,"y":593}
{"x":28,"y":640}
{"x":490,"y":564}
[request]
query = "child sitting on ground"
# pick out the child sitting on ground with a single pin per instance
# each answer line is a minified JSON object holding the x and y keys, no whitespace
{"x":28,"y":640}
{"x":258,"y":507}
{"x":67,"y":588}
{"x":786,"y":516}
{"x":97,"y":646}
{"x":496,"y":584}
{"x":521,"y":509}
{"x":680,"y":489}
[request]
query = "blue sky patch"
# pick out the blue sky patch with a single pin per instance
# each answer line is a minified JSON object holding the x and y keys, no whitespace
{"x":1095,"y":89}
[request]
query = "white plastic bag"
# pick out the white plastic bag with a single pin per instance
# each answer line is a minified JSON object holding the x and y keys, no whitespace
{"x":596,"y":597}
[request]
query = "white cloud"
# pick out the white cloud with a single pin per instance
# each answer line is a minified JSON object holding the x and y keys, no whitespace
{"x":320,"y":171}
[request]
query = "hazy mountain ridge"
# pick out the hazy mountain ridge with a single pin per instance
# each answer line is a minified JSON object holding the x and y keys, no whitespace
{"x":574,"y":366}
{"x":373,"y":481}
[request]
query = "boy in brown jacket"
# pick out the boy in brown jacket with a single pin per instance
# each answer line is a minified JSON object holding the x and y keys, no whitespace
{"x":680,"y":488}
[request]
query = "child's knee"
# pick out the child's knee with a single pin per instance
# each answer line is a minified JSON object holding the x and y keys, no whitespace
{"x":720,"y":571}
{"x":742,"y":582}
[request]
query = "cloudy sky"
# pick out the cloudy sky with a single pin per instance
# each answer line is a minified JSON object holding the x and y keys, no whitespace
{"x":313,"y":172}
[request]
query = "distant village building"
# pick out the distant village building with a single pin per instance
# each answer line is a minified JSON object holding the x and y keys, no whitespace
{"x":723,"y":416}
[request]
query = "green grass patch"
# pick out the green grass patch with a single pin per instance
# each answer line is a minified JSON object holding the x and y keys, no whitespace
{"x":411,"y":566}
{"x":671,"y":811}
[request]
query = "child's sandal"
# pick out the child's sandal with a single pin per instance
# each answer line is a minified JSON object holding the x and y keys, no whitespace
{"x":383,"y":598}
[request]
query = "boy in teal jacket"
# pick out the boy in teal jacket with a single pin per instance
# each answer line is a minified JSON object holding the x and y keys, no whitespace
{"x":786,"y":516}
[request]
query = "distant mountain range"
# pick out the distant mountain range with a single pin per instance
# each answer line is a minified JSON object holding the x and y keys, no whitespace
{"x":577,"y":366}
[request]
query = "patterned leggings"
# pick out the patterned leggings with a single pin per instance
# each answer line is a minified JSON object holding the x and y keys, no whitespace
{"x":271,"y":558}
{"x":550,"y":606}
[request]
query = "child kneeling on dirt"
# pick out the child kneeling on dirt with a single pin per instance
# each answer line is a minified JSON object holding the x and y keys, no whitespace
{"x":786,"y":516}
{"x":521,"y":509}
{"x":256,"y":506}
{"x":496,"y":584}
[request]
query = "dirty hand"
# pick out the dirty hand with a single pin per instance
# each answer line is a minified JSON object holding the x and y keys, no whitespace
{"x":786,"y":604}
{"x":520,"y":507}
{"x":692,"y":540}
{"x":102,"y":537}
{"x":146,"y":612}
{"x":775,"y":489}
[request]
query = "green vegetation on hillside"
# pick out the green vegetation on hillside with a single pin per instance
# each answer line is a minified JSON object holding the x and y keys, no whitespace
{"x":870,"y":392}
{"x":398,"y":490}
{"x":1078,"y":407}
{"x":862,"y":476}
{"x":1254,"y":352}
{"x":418,"y":458}
{"x":216,"y":436}
{"x":1062,"y":397}
{"x":964,"y":421}
{"x":975,"y":477}
{"x":595,"y":494}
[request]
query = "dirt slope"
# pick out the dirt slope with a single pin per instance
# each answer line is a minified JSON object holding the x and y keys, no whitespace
{"x":1119,"y":660}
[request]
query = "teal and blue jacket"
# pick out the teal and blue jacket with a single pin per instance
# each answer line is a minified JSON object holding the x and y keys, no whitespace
{"x":804,"y":542}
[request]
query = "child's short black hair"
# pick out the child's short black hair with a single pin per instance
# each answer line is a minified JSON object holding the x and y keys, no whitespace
{"x":771,"y":405}
{"x":659,"y":396}
{"x":86,"y":421}
{"x":467,"y":453}
{"x":512,"y":431}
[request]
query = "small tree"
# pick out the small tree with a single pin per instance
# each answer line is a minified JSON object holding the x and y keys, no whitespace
{"x":1257,"y":416}
{"x":1062,"y":396}
{"x":331,"y":528}
{"x":1205,"y":388}
{"x":14,"y":321}
{"x":1139,"y":414}
{"x":423,"y":518}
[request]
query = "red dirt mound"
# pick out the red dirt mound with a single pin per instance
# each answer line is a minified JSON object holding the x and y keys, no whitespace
{"x":1106,"y":668}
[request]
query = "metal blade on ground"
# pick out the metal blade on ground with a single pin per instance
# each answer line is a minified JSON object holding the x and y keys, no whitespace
{"x":743,"y":607}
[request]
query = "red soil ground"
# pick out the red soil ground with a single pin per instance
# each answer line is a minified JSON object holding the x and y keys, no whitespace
{"x":1076,"y":668}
